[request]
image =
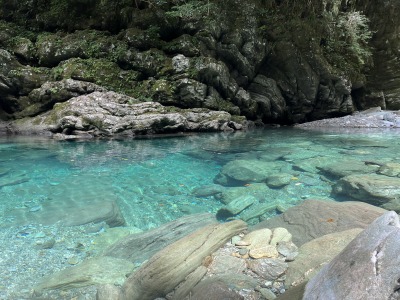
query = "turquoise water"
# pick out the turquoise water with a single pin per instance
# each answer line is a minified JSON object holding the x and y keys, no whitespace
{"x":152,"y":180}
{"x":46,"y":185}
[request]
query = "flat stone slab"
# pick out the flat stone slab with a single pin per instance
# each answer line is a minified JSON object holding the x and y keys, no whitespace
{"x":347,"y":167}
{"x":139,"y":247}
{"x":72,"y":214}
{"x":236,"y":206}
{"x":99,"y":270}
{"x":315,"y":218}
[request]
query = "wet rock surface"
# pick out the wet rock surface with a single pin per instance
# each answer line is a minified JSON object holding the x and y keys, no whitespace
{"x":315,"y":218}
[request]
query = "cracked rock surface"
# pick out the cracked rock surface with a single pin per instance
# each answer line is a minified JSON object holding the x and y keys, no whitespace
{"x":366,"y":269}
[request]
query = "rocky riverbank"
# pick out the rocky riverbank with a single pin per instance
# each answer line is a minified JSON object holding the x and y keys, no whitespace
{"x":249,"y":62}
{"x":196,"y":258}
{"x":371,"y":118}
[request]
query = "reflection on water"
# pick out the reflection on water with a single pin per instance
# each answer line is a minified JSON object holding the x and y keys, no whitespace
{"x":153,"y":181}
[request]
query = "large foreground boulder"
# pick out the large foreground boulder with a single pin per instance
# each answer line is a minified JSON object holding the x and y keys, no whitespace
{"x":368,"y":268}
{"x":315,"y":218}
{"x":166,"y":269}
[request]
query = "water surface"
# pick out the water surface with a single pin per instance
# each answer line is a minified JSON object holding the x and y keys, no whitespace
{"x":152,"y":181}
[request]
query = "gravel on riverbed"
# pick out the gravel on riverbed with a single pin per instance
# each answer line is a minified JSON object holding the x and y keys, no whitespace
{"x":29,"y":253}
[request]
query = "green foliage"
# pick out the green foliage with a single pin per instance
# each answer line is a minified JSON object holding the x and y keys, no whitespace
{"x":342,"y":37}
{"x":349,"y":34}
{"x":190,"y":10}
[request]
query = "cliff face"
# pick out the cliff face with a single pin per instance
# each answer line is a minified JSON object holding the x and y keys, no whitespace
{"x":383,"y":80}
{"x":270,"y":61}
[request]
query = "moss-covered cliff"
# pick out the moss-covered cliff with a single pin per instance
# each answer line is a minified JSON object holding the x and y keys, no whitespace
{"x":271,"y":61}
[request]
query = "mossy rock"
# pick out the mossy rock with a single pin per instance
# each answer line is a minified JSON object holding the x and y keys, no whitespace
{"x":152,"y":63}
{"x":184,"y":44}
{"x":55,"y":48}
{"x":142,"y":39}
{"x":100,"y":71}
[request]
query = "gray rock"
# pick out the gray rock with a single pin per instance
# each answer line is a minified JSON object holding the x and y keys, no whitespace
{"x":390,"y":169}
{"x":288,"y":249}
{"x":267,"y":294}
{"x":99,"y":270}
{"x":268,"y":268}
{"x":236,"y":206}
{"x":366,"y":269}
{"x":257,"y":210}
{"x":166,"y":269}
{"x":348,"y":167}
{"x":247,"y":170}
{"x":213,"y":289}
{"x":207,"y":190}
{"x":270,"y":103}
{"x":227,"y":264}
{"x":371,"y":188}
{"x":258,"y":190}
{"x":72,"y":214}
{"x":110,"y":114}
{"x":279,"y":180}
{"x":315,"y":218}
{"x":139,"y":247}
{"x":316,"y":253}
{"x":49,"y":93}
{"x":108,"y":292}
{"x":180,"y":63}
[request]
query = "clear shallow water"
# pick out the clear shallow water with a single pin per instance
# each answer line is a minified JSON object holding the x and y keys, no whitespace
{"x":152,"y":181}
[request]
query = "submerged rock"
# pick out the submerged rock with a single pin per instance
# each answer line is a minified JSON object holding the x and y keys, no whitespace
{"x":348,"y":167}
{"x":248,"y":171}
{"x":100,"y":270}
{"x":371,"y":188}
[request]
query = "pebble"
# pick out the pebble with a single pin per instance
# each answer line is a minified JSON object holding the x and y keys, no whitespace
{"x":242,"y":243}
{"x":243,"y":251}
{"x":35,"y":208}
{"x":73,"y":260}
{"x":268,"y":251}
{"x":267,"y":294}
{"x":48,"y":244}
{"x":235,"y":239}
{"x":40,"y":234}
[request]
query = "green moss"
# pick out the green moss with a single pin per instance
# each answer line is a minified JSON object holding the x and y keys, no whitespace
{"x":100,"y":71}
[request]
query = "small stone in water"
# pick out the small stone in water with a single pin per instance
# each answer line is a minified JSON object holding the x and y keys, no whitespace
{"x":73,"y":260}
{"x":35,"y":208}
{"x":40,"y":235}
